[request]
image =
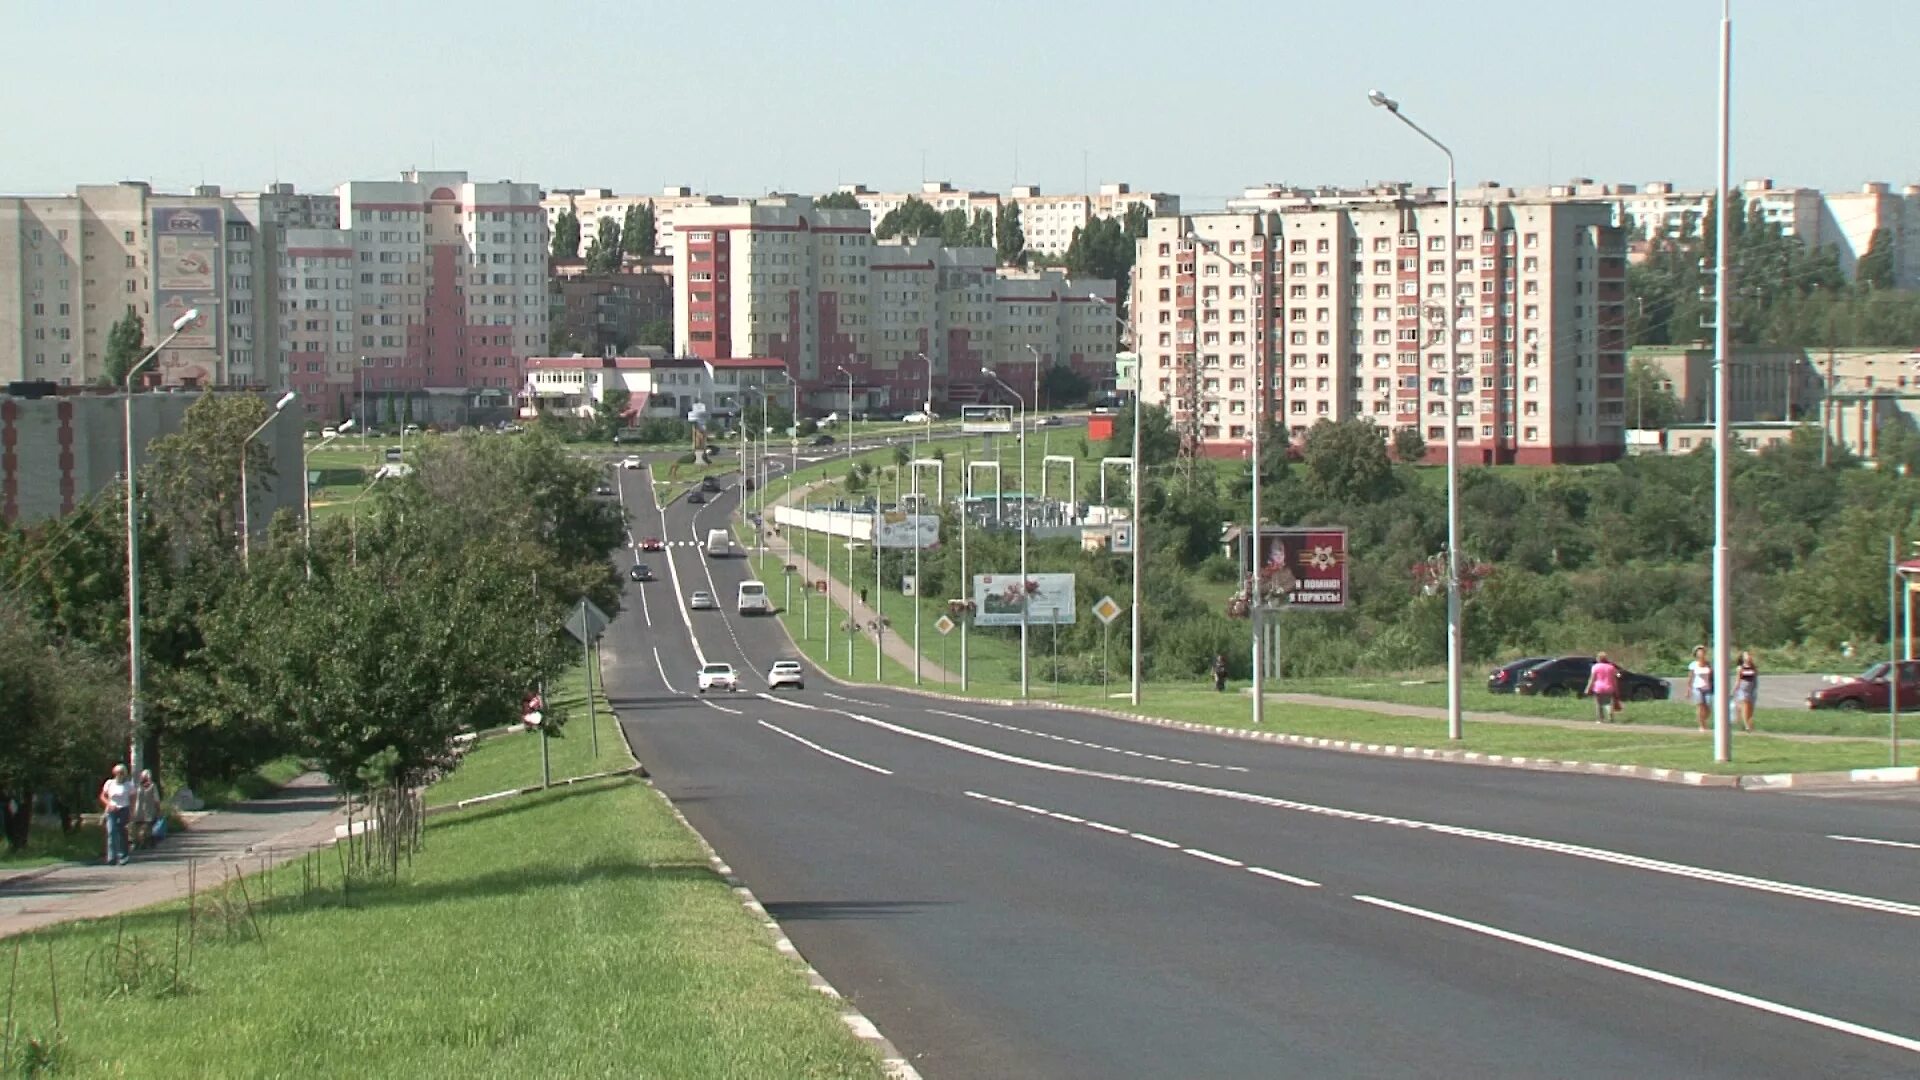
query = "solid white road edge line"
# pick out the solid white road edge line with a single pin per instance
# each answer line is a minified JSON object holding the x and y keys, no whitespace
{"x":1845,"y":1027}
{"x":1053,"y":737}
{"x":1871,"y":840}
{"x":814,"y":746}
{"x":1578,"y":851}
{"x":662,"y":668}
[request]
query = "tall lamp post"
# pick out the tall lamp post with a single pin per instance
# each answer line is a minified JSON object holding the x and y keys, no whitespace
{"x":135,"y":753}
{"x":1025,"y":598}
{"x":246,"y":521}
{"x":926,"y":410}
{"x":306,"y":488}
{"x":1722,"y":432}
{"x":1454,"y":726}
{"x":1133,"y":696}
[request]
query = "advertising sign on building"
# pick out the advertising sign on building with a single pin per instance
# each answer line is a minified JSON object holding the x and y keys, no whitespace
{"x":186,"y":258}
{"x":1304,"y":569}
{"x":897,"y":530}
{"x":1047,"y":598}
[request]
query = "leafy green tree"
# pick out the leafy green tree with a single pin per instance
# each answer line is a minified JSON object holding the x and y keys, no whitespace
{"x":839,"y":200}
{"x":566,"y":235}
{"x":126,"y":344}
{"x":1010,"y":240}
{"x":609,"y":412}
{"x":910,"y":220}
{"x":192,"y":477}
{"x":1650,"y":399}
{"x":1409,"y":445}
{"x":603,"y":254}
{"x":1875,"y":268}
{"x":1159,"y":443}
{"x":1060,"y":383}
{"x":638,"y":232}
{"x":658,"y":333}
{"x":1347,"y":461}
{"x":980,"y":232}
{"x":62,"y":718}
{"x":954,"y":227}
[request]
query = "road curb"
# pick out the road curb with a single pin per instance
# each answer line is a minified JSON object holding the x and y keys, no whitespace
{"x":1903,"y":774}
{"x":34,"y":874}
{"x":891,"y":1060}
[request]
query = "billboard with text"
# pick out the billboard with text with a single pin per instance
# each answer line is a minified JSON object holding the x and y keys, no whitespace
{"x":187,"y":273}
{"x":1304,"y":569}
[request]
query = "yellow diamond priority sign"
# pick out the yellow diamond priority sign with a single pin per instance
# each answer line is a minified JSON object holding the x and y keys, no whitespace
{"x":1106,"y":610}
{"x":944,"y":625}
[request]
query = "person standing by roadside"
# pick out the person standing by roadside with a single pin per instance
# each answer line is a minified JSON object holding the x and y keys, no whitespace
{"x":146,"y":809}
{"x":116,"y":802}
{"x":1220,"y":673}
{"x":1603,"y":684}
{"x":1700,"y":685}
{"x":1746,"y":687}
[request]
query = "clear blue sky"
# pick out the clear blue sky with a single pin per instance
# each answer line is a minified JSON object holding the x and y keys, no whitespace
{"x":750,"y":95}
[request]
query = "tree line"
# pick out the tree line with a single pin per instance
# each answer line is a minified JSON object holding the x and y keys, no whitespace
{"x":433,"y":611}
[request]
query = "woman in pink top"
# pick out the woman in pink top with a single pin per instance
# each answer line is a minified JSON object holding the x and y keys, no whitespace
{"x":1603,"y":683}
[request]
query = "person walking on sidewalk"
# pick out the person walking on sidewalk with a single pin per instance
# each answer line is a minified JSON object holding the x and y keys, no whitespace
{"x":146,"y":809}
{"x":116,"y":802}
{"x":1220,"y":673}
{"x":1700,"y":684}
{"x":1746,"y":687}
{"x":1603,"y":683}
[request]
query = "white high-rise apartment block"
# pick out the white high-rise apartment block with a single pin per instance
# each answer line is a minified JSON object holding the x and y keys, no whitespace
{"x":1344,"y":300}
{"x":813,"y":288}
{"x":1852,"y":217}
{"x":1047,"y":220}
{"x":592,"y":204}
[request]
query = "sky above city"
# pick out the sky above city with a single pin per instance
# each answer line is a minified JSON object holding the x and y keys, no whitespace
{"x":749,"y":96}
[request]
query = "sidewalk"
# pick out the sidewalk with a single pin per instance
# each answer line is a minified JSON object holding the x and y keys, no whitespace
{"x":254,"y":835}
{"x":898,"y":647}
{"x":1429,"y":712}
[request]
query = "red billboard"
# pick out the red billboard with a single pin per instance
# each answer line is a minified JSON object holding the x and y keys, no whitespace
{"x":1304,"y":569}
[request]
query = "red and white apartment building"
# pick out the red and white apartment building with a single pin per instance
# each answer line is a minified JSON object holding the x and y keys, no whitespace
{"x":776,"y":278}
{"x":1344,"y":296}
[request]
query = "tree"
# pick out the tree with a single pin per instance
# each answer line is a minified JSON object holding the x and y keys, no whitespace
{"x":1347,"y":462}
{"x":603,"y":255}
{"x":62,"y":716}
{"x":126,"y":344}
{"x":954,"y":227}
{"x":1651,"y":402}
{"x":1010,"y":240}
{"x":1158,"y":442}
{"x":192,"y":477}
{"x":1409,"y":445}
{"x":910,"y":220}
{"x":638,"y":233}
{"x":839,"y":200}
{"x":1875,"y":268}
{"x":1059,"y":383}
{"x":658,"y":333}
{"x":566,"y":235}
{"x":609,"y":412}
{"x":980,"y":233}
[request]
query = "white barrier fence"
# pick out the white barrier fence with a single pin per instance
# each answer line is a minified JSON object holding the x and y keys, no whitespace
{"x":831,"y":522}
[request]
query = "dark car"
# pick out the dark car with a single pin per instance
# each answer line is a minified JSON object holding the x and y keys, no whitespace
{"x":1871,"y":690}
{"x":823,"y":440}
{"x":641,"y":572}
{"x":1568,"y":675}
{"x":696,"y":496}
{"x":1503,"y":679}
{"x":710,"y":483}
{"x":603,"y":489}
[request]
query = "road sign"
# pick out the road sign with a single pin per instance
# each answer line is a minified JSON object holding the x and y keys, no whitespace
{"x":1122,"y":540}
{"x":944,"y":625}
{"x":587,"y":621}
{"x":1106,"y":610}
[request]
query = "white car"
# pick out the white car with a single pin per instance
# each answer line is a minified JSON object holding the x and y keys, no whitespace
{"x":718,"y":677}
{"x":632,"y":462}
{"x":786,"y":673}
{"x":916,"y":418}
{"x":701,"y":601}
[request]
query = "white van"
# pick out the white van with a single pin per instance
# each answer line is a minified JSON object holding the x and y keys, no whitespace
{"x":719,"y":544}
{"x":753,"y":599}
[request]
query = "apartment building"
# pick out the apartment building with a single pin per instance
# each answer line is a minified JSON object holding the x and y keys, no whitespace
{"x":428,"y":294}
{"x":1047,"y":220}
{"x":73,"y":265}
{"x":852,"y":316}
{"x":1852,"y":217}
{"x":657,"y":386}
{"x":592,"y":204}
{"x":939,"y":194}
{"x":1344,"y":299}
{"x":598,"y":312}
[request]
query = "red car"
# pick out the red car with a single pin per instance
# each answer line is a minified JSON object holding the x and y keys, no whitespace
{"x":1871,"y":690}
{"x":652,"y":543}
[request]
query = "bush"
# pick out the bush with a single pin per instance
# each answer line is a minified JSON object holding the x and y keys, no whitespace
{"x":686,"y":458}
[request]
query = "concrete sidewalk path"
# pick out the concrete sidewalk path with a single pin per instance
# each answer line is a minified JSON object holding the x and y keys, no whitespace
{"x":249,"y":836}
{"x":1430,"y":712}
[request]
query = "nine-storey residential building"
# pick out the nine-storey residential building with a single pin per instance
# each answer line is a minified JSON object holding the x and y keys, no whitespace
{"x":1343,"y":303}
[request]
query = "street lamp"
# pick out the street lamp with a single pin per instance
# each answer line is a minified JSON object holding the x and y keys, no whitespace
{"x":134,"y":712}
{"x":306,"y":487}
{"x":1025,"y":597}
{"x":1134,"y":694}
{"x":246,"y":523}
{"x":919,"y":507}
{"x":1454,"y":726}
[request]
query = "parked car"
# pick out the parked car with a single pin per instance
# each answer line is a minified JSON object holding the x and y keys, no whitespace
{"x":1568,"y":675}
{"x":702,"y":601}
{"x":786,"y":673}
{"x":1049,"y":421}
{"x":718,"y":676}
{"x":329,"y":433}
{"x":603,"y":489}
{"x":1871,"y":690}
{"x":823,"y":439}
{"x":641,"y":572}
{"x":652,"y":543}
{"x":1503,"y":679}
{"x":632,"y":462}
{"x":696,"y":496}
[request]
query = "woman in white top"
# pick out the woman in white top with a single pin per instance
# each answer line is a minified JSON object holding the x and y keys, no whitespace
{"x":1700,"y":685}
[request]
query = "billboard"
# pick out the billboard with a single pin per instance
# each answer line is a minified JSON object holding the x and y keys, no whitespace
{"x":986,"y":419}
{"x":186,"y":258}
{"x":1048,"y":598}
{"x":1304,"y":569}
{"x":893,"y":529}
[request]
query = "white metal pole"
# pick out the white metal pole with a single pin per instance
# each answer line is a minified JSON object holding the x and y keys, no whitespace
{"x":1722,"y":392}
{"x":966,"y":583}
{"x":1455,"y":724}
{"x":135,"y":709}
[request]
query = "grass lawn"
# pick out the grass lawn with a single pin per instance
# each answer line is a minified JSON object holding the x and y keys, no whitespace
{"x":249,"y":785}
{"x":575,"y":932}
{"x":513,"y":761}
{"x":50,"y":844}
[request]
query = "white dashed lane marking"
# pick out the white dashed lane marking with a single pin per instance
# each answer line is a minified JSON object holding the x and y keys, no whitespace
{"x":1067,"y":740}
{"x":1147,"y":838}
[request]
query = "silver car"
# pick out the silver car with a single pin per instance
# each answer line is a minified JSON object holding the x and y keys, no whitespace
{"x":701,"y":601}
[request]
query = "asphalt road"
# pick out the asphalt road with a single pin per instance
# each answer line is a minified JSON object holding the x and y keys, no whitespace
{"x":1027,"y":892}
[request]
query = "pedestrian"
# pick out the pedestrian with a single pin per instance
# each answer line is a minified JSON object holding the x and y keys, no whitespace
{"x":1700,"y":684}
{"x":863,"y":594}
{"x":1603,"y":683}
{"x":1746,"y":687}
{"x":1220,"y":673}
{"x":116,"y":801}
{"x":146,"y":809}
